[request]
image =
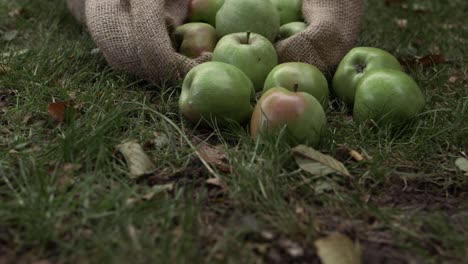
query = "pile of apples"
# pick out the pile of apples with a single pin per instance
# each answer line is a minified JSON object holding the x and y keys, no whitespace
{"x":295,"y":94}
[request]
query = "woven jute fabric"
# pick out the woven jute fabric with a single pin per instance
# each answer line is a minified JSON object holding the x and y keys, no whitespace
{"x":135,"y":35}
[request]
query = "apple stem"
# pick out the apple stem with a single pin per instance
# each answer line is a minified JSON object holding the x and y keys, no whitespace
{"x":360,"y":68}
{"x":248,"y":37}
{"x":296,"y":87}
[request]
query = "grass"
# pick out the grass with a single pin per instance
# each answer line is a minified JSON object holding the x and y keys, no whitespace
{"x":65,"y":196}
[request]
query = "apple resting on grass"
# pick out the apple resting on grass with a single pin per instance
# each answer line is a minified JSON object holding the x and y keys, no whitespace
{"x":195,"y":39}
{"x":252,"y":53}
{"x":291,"y":29}
{"x":288,"y":10}
{"x":300,"y":114}
{"x":204,"y":11}
{"x":257,"y":16}
{"x":299,"y":76}
{"x":388,"y":97}
{"x":216,"y":91}
{"x":354,"y":65}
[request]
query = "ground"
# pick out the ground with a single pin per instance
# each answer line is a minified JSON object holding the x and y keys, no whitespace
{"x":66,"y":194}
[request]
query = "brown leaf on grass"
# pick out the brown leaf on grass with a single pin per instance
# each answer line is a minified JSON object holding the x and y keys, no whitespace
{"x":338,"y":249}
{"x":425,"y":61}
{"x":214,"y":155}
{"x":137,"y":160}
{"x":58,"y":110}
{"x":317,"y":163}
{"x":432,"y":59}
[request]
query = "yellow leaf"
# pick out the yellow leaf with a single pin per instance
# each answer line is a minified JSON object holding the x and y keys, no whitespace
{"x":137,"y":160}
{"x":338,"y":249}
{"x":318,"y":163}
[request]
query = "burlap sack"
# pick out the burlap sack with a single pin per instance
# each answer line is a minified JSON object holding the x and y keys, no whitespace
{"x":134,"y":35}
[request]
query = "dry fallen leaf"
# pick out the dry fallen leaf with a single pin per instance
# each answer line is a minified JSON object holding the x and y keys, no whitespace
{"x":215,"y":156}
{"x":462,"y":164}
{"x":317,"y":163}
{"x":338,"y":249}
{"x":432,"y":59}
{"x":137,"y":160}
{"x":428,"y":60}
{"x":314,"y":168}
{"x":58,"y":110}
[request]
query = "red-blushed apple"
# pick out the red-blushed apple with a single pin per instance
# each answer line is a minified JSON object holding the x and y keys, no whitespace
{"x":256,"y":16}
{"x":302,"y":77}
{"x":254,"y":54}
{"x":204,"y":11}
{"x":195,"y":38}
{"x":299,"y":114}
{"x":388,"y":97}
{"x":354,"y":66}
{"x":288,"y":10}
{"x":216,"y":92}
{"x":291,"y":29}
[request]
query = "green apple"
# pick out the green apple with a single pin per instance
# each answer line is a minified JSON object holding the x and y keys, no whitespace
{"x":289,"y":10}
{"x":216,"y":91}
{"x":301,"y":77}
{"x":291,"y":29}
{"x":195,"y":38}
{"x":254,"y":54}
{"x":388,"y":97}
{"x":204,"y":11}
{"x":354,"y":65}
{"x":299,"y":114}
{"x":257,"y":16}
